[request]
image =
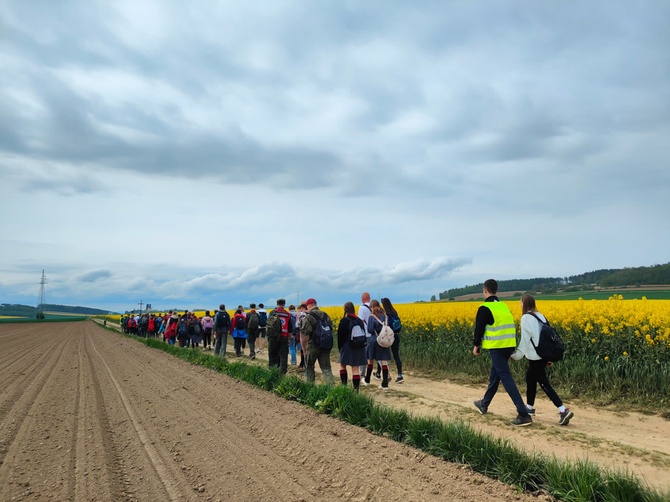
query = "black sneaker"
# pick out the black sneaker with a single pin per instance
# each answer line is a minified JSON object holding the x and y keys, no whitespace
{"x":522,"y":421}
{"x":564,"y":418}
{"x":480,"y":407}
{"x":377,"y":376}
{"x":400,"y":379}
{"x":531,"y":411}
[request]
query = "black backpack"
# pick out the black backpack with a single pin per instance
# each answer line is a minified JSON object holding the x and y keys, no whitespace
{"x":550,"y":346}
{"x":262,"y":319}
{"x":252,"y":321}
{"x":222,"y":320}
{"x":239,"y":323}
{"x":182,"y":329}
{"x":322,"y":335}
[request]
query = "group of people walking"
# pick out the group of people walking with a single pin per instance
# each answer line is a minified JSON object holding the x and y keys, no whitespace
{"x":367,"y":340}
{"x":289,"y":332}
{"x":307,"y":330}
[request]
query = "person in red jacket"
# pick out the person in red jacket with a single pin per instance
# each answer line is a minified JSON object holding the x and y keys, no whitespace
{"x":278,"y":345}
{"x":171,"y":328}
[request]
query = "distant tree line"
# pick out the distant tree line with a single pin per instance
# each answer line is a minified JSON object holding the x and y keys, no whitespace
{"x":10,"y":309}
{"x":654,"y":275}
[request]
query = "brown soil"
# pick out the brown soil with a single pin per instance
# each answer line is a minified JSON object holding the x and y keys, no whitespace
{"x":86,"y":414}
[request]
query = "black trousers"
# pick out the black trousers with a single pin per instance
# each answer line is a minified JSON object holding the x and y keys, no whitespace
{"x":278,"y":353}
{"x":537,"y":374}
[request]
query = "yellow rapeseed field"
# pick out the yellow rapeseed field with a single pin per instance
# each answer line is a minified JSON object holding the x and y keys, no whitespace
{"x":610,"y":328}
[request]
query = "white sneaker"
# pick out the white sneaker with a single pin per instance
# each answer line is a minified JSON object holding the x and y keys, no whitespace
{"x":383,"y":388}
{"x":364,"y":382}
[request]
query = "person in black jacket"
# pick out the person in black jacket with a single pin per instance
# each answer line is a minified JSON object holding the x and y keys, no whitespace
{"x":349,"y":355}
{"x":221,"y":325}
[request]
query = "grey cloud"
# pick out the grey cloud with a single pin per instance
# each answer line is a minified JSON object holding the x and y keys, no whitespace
{"x":95,"y":275}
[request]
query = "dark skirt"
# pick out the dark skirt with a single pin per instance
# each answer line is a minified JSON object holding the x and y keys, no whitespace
{"x":352,"y":357}
{"x":376,"y":351}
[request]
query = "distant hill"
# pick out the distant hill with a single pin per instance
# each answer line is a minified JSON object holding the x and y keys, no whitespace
{"x":8,"y":309}
{"x":606,"y":278}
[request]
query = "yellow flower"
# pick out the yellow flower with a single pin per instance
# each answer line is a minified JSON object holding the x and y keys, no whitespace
{"x":593,"y":340}
{"x":607,"y":358}
{"x":625,"y":354}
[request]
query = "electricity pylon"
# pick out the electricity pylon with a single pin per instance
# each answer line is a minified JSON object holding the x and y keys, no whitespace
{"x":40,"y":305}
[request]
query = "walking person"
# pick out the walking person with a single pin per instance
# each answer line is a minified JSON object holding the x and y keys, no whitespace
{"x":374,"y":351}
{"x":350,"y":330}
{"x":531,"y":324}
{"x":364,"y":314}
{"x":195,"y":330}
{"x":207,"y":327}
{"x":221,"y":328}
{"x":171,"y":328}
{"x":301,"y":339}
{"x":252,"y":324}
{"x":143,"y":325}
{"x":292,"y":342}
{"x":314,"y":353}
{"x":394,"y":321}
{"x":263,"y":321}
{"x":151,"y":326}
{"x":495,"y":331}
{"x":279,"y":328}
{"x":238,"y":330}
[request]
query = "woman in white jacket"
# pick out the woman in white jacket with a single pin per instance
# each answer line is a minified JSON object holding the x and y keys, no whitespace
{"x":536,"y":373}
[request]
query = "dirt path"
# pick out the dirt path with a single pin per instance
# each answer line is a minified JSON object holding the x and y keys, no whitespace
{"x":612,"y":438}
{"x":615,"y":439}
{"x":86,"y":414}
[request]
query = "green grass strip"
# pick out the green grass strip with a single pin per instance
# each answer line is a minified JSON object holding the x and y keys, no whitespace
{"x":453,"y":441}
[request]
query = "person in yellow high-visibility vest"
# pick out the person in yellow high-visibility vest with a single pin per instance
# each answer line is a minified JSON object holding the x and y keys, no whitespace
{"x":495,"y":331}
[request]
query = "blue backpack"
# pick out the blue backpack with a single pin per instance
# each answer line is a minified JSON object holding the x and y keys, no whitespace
{"x":395,"y":324}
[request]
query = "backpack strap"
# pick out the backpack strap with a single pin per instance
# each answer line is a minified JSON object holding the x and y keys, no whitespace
{"x":541,"y":322}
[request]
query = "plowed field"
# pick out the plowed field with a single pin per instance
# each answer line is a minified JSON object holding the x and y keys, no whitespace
{"x":86,"y":414}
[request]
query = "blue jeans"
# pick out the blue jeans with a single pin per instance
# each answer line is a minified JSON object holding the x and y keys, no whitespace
{"x":221,"y":342}
{"x":500,"y":373}
{"x":292,"y":351}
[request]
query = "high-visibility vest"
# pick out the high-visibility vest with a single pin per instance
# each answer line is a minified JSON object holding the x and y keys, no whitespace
{"x":502,"y":333}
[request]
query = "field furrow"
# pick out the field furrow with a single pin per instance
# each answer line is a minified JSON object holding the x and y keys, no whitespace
{"x":101,"y":417}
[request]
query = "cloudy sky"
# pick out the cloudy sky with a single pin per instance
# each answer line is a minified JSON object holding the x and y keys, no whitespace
{"x":190,"y":153}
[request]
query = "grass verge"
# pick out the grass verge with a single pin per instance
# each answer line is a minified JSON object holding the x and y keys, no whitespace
{"x":452,"y":441}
